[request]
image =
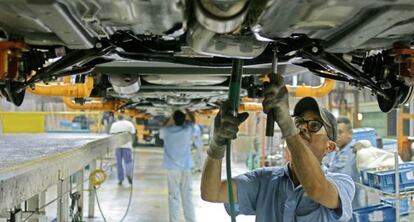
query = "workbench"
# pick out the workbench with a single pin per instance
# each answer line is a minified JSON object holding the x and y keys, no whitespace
{"x":31,"y":163}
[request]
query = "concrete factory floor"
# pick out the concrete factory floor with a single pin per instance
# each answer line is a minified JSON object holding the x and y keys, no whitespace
{"x":150,"y":194}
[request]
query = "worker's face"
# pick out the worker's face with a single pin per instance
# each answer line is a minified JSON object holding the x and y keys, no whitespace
{"x":318,"y":142}
{"x":344,"y":135}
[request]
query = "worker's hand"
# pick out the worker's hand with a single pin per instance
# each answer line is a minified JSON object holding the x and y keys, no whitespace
{"x":276,"y":100}
{"x":226,"y":127}
{"x":189,"y":116}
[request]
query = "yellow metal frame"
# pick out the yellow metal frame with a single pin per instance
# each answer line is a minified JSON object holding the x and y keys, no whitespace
{"x":303,"y":90}
{"x":78,"y":90}
{"x":33,"y":122}
{"x":401,"y":139}
{"x":10,"y":54}
{"x":135,"y":113}
{"x":23,"y":122}
{"x":64,"y":89}
{"x":95,"y":105}
{"x":315,"y":91}
{"x":250,"y":107}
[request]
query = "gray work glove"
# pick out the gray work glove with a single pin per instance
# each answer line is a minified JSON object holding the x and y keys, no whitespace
{"x":226,"y":127}
{"x":276,"y":100}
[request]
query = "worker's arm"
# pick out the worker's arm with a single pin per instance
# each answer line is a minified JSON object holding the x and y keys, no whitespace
{"x":226,"y":126}
{"x":213,"y":189}
{"x":189,"y":116}
{"x":309,"y":173}
{"x":306,"y":165}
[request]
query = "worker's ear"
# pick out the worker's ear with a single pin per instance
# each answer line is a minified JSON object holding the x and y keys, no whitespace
{"x":331,"y":146}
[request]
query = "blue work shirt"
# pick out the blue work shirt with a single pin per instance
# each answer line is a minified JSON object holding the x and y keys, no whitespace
{"x":269,"y":193}
{"x":344,"y":161}
{"x":177,"y":146}
{"x":198,"y":139}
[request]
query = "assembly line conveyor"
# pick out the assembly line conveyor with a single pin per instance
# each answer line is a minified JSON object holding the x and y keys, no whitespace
{"x":32,"y":163}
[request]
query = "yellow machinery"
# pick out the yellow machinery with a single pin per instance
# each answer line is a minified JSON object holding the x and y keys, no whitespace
{"x":404,"y":145}
{"x":79,"y":90}
{"x":142,"y":131}
{"x":23,"y":122}
{"x":41,"y":122}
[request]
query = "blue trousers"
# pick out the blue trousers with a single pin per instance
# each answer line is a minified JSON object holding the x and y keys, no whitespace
{"x":124,"y":154}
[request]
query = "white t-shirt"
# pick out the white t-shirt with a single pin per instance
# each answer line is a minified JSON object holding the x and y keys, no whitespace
{"x":121,"y":126}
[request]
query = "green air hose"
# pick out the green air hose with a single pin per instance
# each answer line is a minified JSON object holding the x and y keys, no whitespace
{"x":234,"y":97}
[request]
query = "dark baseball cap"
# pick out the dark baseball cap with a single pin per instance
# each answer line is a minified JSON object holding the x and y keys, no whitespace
{"x":328,"y":119}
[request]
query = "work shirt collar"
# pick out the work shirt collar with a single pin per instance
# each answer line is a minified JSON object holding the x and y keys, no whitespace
{"x":287,"y":174}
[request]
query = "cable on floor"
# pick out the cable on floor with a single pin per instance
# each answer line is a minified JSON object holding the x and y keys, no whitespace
{"x":99,"y":177}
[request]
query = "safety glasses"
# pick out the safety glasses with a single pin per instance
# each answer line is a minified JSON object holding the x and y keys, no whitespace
{"x":312,"y":125}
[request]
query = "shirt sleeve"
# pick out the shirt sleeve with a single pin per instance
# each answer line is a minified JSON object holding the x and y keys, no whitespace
{"x":132,"y":130}
{"x":346,"y":191}
{"x":248,"y":187}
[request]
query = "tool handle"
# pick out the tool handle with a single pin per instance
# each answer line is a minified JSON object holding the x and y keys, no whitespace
{"x":234,"y":97}
{"x":270,"y":124}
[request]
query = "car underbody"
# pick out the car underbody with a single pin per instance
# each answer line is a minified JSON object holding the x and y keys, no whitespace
{"x":155,"y":54}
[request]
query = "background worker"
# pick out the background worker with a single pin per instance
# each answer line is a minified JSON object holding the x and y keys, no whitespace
{"x":123,"y":153}
{"x":177,"y":135}
{"x":302,"y":190}
{"x":107,"y":120}
{"x":343,"y":160}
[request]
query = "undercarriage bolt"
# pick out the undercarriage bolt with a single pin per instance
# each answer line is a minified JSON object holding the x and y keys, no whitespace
{"x":385,"y":85}
{"x":257,"y":28}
